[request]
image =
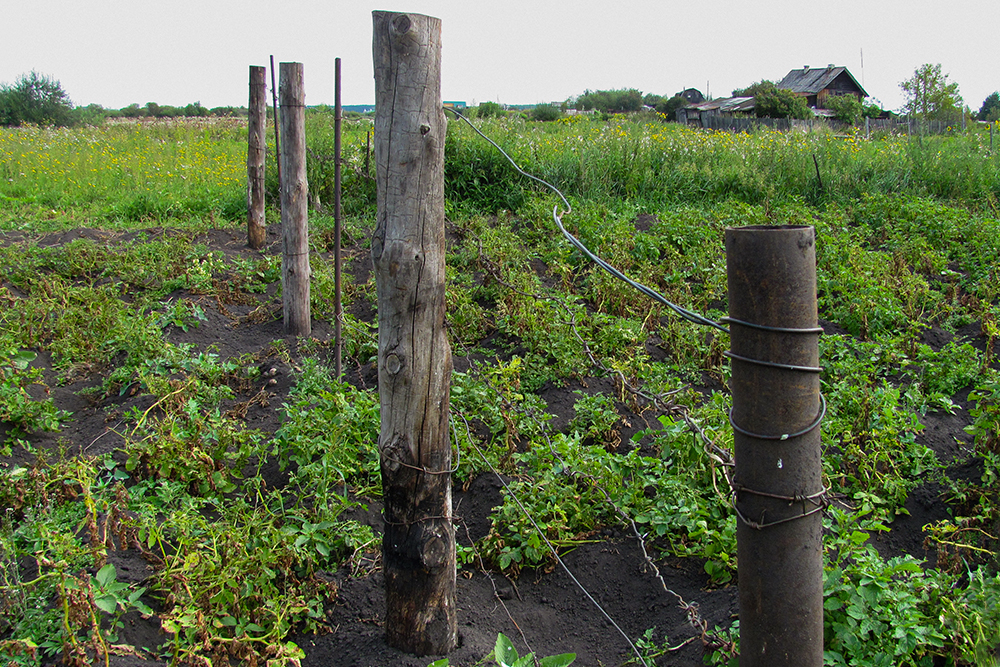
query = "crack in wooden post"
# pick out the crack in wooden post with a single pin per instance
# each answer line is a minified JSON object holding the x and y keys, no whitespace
{"x":408,"y":251}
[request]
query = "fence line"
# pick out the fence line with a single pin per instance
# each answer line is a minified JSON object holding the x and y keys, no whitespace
{"x":899,"y":125}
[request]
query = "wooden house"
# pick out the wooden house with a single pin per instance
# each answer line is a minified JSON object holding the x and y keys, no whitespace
{"x":817,"y":84}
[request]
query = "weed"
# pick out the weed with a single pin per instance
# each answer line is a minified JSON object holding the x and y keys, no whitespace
{"x":506,"y":656}
{"x":24,"y":414}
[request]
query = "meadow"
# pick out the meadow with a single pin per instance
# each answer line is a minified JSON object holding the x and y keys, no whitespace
{"x":184,"y":484}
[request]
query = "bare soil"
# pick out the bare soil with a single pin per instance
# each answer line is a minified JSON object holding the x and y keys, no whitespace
{"x":541,"y":611}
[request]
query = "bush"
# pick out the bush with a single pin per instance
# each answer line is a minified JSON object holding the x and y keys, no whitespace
{"x":489,"y":110}
{"x":610,"y":101}
{"x":35,"y":98}
{"x":773,"y":102}
{"x":846,"y":107}
{"x":777,"y":102}
{"x":545,"y":112}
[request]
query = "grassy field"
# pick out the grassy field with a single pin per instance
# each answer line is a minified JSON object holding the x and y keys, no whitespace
{"x":908,"y":231}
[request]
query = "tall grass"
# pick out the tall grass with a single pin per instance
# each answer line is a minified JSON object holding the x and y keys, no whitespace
{"x":127,"y":171}
{"x":133,"y":173}
{"x":176,"y":170}
{"x":657,"y":163}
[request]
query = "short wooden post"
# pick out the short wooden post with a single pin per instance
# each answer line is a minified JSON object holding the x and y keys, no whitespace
{"x":778,"y":476}
{"x":256,"y":150}
{"x":294,"y":202}
{"x":414,"y":359}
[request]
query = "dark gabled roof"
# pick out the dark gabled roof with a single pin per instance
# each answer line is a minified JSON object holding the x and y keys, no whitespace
{"x":725,"y":104}
{"x":810,"y":81}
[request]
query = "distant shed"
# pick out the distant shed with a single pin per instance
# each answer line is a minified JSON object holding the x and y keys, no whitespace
{"x":817,"y":84}
{"x":694,"y":114}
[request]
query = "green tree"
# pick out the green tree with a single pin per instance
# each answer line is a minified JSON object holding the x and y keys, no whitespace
{"x":755,"y":89}
{"x":846,"y":107}
{"x":990,"y":111}
{"x":773,"y":102}
{"x":872,"y":108}
{"x":489,"y":110}
{"x":669,"y":107}
{"x":610,"y":101}
{"x":929,"y":94}
{"x":653,"y":100}
{"x":35,"y":98}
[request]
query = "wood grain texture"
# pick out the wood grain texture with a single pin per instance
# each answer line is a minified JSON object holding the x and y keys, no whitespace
{"x":256,"y":153}
{"x":294,"y":201}
{"x":408,"y":252}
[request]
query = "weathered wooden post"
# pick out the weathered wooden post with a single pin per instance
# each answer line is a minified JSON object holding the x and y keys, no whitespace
{"x":294,"y":202}
{"x":414,"y":359}
{"x":776,"y":416}
{"x":256,"y":150}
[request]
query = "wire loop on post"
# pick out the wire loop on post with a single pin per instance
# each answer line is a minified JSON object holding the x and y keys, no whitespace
{"x":784,"y":436}
{"x":764,"y":327}
{"x":772,"y":364}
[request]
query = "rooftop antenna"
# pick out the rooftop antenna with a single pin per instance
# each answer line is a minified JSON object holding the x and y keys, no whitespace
{"x":862,"y":67}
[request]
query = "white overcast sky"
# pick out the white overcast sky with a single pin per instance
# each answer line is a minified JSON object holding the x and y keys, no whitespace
{"x":116,"y":52}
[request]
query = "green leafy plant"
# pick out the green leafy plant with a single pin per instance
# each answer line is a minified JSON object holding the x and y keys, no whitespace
{"x":877,"y":612}
{"x":985,"y":426}
{"x":182,"y":314}
{"x":328,"y":435}
{"x":24,"y":414}
{"x":596,"y":419}
{"x":506,"y":655}
{"x":114,"y":597}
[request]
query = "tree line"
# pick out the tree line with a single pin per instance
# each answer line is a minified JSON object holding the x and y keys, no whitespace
{"x":39,"y":99}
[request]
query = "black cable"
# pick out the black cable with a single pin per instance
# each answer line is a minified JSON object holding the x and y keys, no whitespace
{"x":681,"y":312}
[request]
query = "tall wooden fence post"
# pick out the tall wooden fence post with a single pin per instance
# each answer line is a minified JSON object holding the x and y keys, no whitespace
{"x":778,"y":477}
{"x":256,"y":151}
{"x":294,"y":202}
{"x":414,"y":359}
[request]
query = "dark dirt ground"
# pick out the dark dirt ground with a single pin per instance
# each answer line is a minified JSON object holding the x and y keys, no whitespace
{"x":542,"y":611}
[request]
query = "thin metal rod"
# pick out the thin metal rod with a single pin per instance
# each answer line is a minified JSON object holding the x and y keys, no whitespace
{"x":338,"y":305}
{"x":277,"y":128}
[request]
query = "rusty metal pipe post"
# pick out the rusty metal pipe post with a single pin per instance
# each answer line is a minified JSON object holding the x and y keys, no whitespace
{"x":777,"y":407}
{"x":337,"y":223}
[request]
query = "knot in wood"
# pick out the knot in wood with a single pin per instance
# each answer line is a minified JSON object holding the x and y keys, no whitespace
{"x":400,"y":25}
{"x":435,"y":551}
{"x":396,"y":454}
{"x":393,"y":364}
{"x":424,"y":129}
